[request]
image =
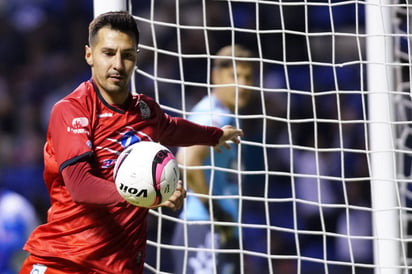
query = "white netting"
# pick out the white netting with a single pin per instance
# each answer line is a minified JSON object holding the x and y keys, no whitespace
{"x":403,"y":113}
{"x":305,"y":188}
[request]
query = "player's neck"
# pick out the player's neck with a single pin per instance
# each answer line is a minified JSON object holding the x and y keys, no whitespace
{"x":120,"y":99}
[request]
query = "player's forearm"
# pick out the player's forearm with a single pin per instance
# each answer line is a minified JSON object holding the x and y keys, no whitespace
{"x":186,"y":133}
{"x":86,"y":188}
{"x":196,"y":182}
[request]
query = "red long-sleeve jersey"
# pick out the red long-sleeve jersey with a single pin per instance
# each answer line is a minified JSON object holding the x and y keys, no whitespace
{"x":92,"y":234}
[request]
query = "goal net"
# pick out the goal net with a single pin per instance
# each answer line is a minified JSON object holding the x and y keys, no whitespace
{"x":324,"y":184}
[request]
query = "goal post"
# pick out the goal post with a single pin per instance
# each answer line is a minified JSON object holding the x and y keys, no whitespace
{"x":380,"y":76}
{"x":324,"y":169}
{"x":102,"y":6}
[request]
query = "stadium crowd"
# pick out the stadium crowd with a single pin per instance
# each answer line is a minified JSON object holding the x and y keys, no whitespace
{"x":42,"y":59}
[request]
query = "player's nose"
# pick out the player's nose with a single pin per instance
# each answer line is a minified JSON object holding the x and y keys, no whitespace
{"x":118,"y":61}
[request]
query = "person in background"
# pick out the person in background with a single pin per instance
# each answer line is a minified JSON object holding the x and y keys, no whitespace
{"x":232,"y":74}
{"x":18,"y":218}
{"x":90,"y":228}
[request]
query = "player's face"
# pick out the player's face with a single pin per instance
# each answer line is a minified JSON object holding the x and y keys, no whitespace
{"x":226,"y":76}
{"x":112,"y":58}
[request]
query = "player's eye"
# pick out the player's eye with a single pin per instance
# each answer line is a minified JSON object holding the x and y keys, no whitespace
{"x":108,"y":53}
{"x":129,"y":55}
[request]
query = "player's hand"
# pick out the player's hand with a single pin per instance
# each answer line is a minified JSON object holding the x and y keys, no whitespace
{"x":175,"y":201}
{"x":229,"y":134}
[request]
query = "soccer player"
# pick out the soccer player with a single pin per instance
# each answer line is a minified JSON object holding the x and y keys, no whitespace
{"x":90,"y":228}
{"x":230,"y":79}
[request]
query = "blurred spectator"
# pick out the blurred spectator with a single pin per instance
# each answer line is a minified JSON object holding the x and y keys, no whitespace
{"x":17,"y":219}
{"x":37,"y":58}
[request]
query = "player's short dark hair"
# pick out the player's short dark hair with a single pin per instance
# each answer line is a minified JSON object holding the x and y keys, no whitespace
{"x":225,"y":56}
{"x":116,"y":20}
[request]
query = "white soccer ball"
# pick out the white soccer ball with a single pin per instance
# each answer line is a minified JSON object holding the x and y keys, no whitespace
{"x":146,"y":174}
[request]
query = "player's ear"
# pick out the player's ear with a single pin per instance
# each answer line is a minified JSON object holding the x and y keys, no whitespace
{"x":88,"y":55}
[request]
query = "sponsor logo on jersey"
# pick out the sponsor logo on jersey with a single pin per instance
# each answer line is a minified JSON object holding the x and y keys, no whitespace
{"x":38,"y":269}
{"x":79,"y":125}
{"x":80,"y":122}
{"x":105,"y":115}
{"x":128,"y":138}
{"x":132,"y":136}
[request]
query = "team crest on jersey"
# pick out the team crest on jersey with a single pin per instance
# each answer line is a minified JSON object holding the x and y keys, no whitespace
{"x":144,"y":110}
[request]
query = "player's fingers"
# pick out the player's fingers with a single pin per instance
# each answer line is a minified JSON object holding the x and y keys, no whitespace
{"x":182,"y":192}
{"x":180,"y":198}
{"x":174,"y":205}
{"x":181,"y":189}
{"x":236,"y":139}
{"x":178,"y":204}
{"x":227,"y":145}
{"x":217,"y":149}
{"x":175,"y":201}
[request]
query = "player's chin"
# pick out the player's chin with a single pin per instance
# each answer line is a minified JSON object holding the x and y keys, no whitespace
{"x":116,"y":87}
{"x":243,"y":99}
{"x":242,"y":102}
{"x":117,"y":82}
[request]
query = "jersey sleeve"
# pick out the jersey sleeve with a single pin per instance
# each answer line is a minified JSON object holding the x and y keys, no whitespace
{"x":81,"y":182}
{"x":181,"y":132}
{"x":69,"y":132}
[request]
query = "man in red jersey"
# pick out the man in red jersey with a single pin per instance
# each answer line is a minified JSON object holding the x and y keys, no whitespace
{"x":90,"y":228}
